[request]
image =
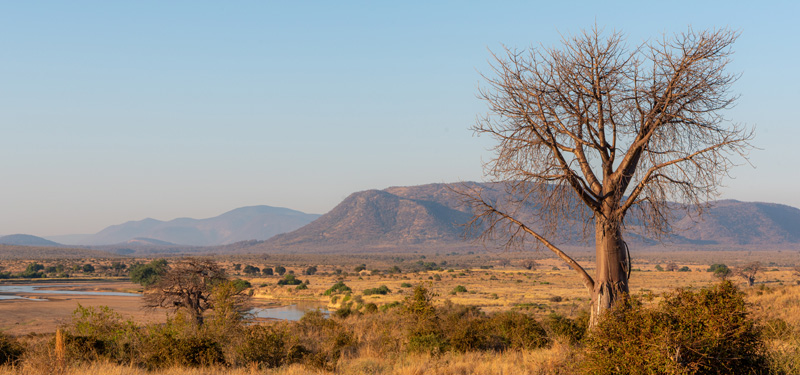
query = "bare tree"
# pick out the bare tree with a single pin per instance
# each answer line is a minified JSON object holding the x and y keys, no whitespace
{"x":672,"y":266}
{"x":189,"y":285}
{"x":596,"y":131}
{"x":749,"y":271}
{"x":530,"y":264}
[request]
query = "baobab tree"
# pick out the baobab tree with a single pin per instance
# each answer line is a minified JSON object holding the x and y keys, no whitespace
{"x":190,"y":285}
{"x":749,"y":271}
{"x":605,"y":134}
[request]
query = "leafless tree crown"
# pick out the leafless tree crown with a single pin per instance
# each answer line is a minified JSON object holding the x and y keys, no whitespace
{"x":187,"y":285}
{"x":619,"y":129}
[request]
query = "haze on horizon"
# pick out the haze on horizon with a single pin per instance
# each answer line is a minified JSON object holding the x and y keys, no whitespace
{"x":113,"y":112}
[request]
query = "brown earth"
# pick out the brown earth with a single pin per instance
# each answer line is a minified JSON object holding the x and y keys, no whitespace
{"x":48,"y":311}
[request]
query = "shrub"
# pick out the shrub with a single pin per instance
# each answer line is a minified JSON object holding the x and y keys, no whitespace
{"x":10,"y":350}
{"x":514,"y":330}
{"x":573,"y":330}
{"x":405,"y":285}
{"x":703,"y":332}
{"x":321,"y":341}
{"x":289,"y":279}
{"x":459,"y":289}
{"x":148,"y":274}
{"x":262,"y":345}
{"x":241,"y":285}
{"x":176,"y":343}
{"x":251,"y":270}
{"x":337,"y":288}
{"x":383,"y":289}
{"x":99,"y":332}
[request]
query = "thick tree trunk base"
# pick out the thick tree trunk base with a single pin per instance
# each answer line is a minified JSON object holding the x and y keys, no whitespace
{"x":605,"y":296}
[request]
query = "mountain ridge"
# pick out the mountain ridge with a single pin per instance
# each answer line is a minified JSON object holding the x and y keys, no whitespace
{"x":404,"y":217}
{"x":240,"y":224}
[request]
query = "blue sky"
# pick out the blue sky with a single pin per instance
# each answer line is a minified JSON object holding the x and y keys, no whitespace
{"x":116,"y":111}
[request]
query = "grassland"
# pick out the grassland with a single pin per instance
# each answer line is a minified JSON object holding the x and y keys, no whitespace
{"x":494,"y":282}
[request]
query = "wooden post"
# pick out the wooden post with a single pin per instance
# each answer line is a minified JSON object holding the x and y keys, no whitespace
{"x":60,"y":349}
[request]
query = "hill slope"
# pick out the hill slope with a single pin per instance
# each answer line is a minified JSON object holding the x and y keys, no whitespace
{"x":27,"y":240}
{"x":430,"y":216}
{"x":376,"y":219}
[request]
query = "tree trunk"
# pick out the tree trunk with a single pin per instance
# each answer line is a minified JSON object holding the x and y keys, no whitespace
{"x":611,"y":280}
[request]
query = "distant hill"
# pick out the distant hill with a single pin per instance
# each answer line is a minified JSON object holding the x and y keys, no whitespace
{"x":241,"y":224}
{"x":11,"y":252}
{"x":432,"y":216}
{"x":731,"y":222}
{"x":27,"y":240}
{"x":376,"y":218}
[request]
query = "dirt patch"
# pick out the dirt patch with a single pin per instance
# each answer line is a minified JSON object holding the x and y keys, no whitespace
{"x":48,"y":311}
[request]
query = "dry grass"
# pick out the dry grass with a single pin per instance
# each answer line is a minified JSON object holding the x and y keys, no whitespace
{"x":502,"y":287}
{"x":558,"y":359}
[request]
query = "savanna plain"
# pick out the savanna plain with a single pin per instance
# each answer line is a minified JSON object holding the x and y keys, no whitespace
{"x":408,"y":313}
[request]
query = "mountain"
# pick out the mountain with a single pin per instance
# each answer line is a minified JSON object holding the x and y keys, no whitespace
{"x":731,"y":222}
{"x":377,"y":219}
{"x":432,"y":216}
{"x":27,"y":240}
{"x":241,"y":224}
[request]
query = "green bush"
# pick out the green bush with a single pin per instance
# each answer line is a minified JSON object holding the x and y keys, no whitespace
{"x":515,"y":330}
{"x":459,"y":289}
{"x":177,"y":344}
{"x":289,"y":279}
{"x":321,"y":342}
{"x":148,"y":274}
{"x":383,"y":289}
{"x":573,"y":330}
{"x":262,"y":345}
{"x":703,"y":332}
{"x":337,"y":288}
{"x":100,"y":333}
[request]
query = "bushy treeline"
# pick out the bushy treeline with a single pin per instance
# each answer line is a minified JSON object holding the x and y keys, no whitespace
{"x":706,"y":331}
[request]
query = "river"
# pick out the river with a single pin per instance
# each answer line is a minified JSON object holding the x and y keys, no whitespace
{"x":294,"y":311}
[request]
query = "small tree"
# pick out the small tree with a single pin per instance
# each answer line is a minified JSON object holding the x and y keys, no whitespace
{"x":671,"y":266}
{"x":148,"y":274}
{"x":188,"y":286}
{"x":310,"y":270}
{"x":749,"y":271}
{"x":280,"y":270}
{"x":720,"y":271}
{"x":251,"y":270}
{"x":267,"y":271}
{"x":530,"y":264}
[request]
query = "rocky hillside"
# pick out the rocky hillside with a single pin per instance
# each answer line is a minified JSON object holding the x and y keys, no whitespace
{"x":432,"y":216}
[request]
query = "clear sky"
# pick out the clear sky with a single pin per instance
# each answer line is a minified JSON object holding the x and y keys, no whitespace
{"x":113,"y":111}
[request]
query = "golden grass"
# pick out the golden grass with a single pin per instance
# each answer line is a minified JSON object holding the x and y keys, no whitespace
{"x":558,"y":359}
{"x":500,"y":288}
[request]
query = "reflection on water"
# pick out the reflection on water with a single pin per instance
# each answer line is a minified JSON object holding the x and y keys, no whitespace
{"x":291,"y":312}
{"x":8,"y":291}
